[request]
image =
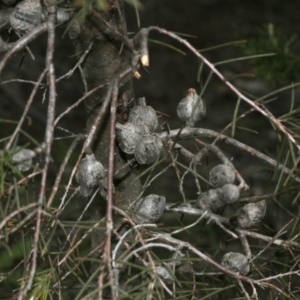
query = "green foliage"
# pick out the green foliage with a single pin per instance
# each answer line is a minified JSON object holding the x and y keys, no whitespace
{"x":9,"y":257}
{"x":283,"y":68}
{"x":42,"y":285}
{"x":16,"y":252}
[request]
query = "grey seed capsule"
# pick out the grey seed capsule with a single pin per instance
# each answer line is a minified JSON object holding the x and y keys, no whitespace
{"x":148,"y":150}
{"x":209,"y":200}
{"x":250,"y":214}
{"x":220,"y":175}
{"x":149,"y":209}
{"x":89,"y":174}
{"x":228,"y":193}
{"x":144,"y":116}
{"x":128,"y":136}
{"x":26,"y":15}
{"x":191,"y":109}
{"x":164,"y":273}
{"x":236,"y":262}
{"x":74,"y":30}
{"x":23,"y":159}
{"x":29,"y":13}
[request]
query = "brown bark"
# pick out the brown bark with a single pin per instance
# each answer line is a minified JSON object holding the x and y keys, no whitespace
{"x":107,"y":58}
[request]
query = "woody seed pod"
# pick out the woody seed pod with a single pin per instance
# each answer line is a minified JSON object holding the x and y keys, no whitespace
{"x":143,"y":116}
{"x":236,"y":262}
{"x":128,"y":136}
{"x":209,"y":200}
{"x":26,"y":15}
{"x":89,"y":174}
{"x":149,"y":209}
{"x":23,"y":159}
{"x":165,"y":273}
{"x":148,"y":150}
{"x":249,"y":215}
{"x":228,"y":193}
{"x":191,"y":109}
{"x":74,"y":29}
{"x":220,"y":175}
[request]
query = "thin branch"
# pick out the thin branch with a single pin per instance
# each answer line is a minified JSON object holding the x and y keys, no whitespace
{"x":281,"y":231}
{"x":80,"y":61}
{"x":22,"y":43}
{"x":244,"y":290}
{"x":109,"y":219}
{"x":15,"y":213}
{"x":201,"y":132}
{"x":265,"y":238}
{"x":61,"y":170}
{"x":50,"y":25}
{"x":25,"y":111}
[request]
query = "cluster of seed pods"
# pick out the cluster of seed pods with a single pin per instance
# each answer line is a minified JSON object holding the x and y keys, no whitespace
{"x":138,"y":136}
{"x":139,"y":139}
{"x":222,"y":177}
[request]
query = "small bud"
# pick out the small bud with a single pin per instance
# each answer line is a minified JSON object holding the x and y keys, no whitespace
{"x":209,"y":200}
{"x":128,"y":136}
{"x":236,"y":262}
{"x":220,"y":175}
{"x":144,"y":116}
{"x":191,"y":109}
{"x":145,"y":60}
{"x":250,"y":214}
{"x":148,"y":150}
{"x":228,"y":193}
{"x":89,"y":174}
{"x":137,"y":75}
{"x":149,"y":209}
{"x":23,"y":159}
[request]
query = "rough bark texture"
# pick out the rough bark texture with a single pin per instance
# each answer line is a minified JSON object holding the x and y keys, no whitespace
{"x":107,"y":59}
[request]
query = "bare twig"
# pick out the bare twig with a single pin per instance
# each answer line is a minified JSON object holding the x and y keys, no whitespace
{"x":80,"y":61}
{"x":61,"y":170}
{"x":22,"y":43}
{"x":110,"y":173}
{"x":265,"y":238}
{"x":78,"y":102}
{"x":197,"y":132}
{"x":50,"y":25}
{"x":15,"y":213}
{"x":25,"y":111}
